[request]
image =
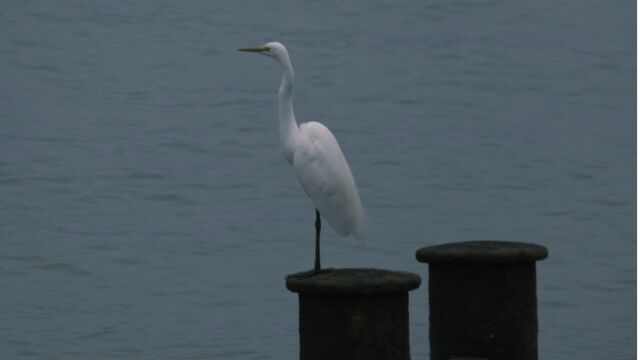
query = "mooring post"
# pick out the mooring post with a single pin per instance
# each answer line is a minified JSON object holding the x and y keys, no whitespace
{"x":354,"y":314}
{"x":482,"y":299}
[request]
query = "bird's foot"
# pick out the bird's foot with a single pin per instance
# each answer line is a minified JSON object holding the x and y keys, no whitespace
{"x":308,"y":273}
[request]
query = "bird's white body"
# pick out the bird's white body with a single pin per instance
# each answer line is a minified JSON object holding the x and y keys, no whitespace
{"x":325,"y":176}
{"x":317,"y":159}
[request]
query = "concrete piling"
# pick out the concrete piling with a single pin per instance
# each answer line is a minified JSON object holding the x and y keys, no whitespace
{"x":354,"y":314}
{"x":482,"y":299}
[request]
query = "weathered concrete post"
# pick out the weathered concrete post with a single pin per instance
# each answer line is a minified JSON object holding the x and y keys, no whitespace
{"x":354,"y":314}
{"x":482,"y":299}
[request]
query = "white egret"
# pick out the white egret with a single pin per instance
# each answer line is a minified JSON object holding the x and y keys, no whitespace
{"x":317,"y":160}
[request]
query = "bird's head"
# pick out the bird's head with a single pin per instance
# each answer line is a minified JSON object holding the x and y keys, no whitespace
{"x":272,"y":49}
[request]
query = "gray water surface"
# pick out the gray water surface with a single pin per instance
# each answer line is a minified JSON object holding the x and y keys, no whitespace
{"x":146,"y":211}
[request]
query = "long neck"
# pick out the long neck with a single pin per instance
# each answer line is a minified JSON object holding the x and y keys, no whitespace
{"x":288,"y":124}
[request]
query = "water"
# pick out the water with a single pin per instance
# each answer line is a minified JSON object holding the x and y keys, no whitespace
{"x":146,"y":211}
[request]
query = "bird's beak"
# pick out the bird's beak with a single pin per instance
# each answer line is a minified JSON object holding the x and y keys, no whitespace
{"x":257,"y":49}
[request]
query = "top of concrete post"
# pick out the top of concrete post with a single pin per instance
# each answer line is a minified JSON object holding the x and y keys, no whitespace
{"x":354,"y":281}
{"x":482,"y":252}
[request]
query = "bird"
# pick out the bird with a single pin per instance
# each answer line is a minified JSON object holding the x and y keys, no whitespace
{"x":318,"y":162}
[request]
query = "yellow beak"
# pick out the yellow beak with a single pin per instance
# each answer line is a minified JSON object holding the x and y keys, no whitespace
{"x":254,"y":49}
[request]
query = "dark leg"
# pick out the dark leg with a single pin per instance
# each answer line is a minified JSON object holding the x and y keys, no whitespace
{"x":316,"y":269}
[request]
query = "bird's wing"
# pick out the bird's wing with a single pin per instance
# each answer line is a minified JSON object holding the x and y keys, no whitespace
{"x":326,"y":177}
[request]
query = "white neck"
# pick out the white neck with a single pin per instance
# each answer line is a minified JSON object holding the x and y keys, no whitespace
{"x":288,"y":124}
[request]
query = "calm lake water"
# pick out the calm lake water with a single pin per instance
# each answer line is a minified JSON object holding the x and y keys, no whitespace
{"x":146,"y":211}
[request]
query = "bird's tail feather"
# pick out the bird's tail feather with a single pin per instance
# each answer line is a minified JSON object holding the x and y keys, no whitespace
{"x":359,"y":224}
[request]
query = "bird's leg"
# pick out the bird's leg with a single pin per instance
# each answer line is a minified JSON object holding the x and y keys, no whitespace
{"x":316,"y":269}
